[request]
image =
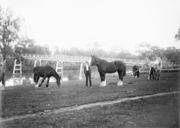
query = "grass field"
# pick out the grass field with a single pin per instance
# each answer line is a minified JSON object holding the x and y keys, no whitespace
{"x":23,"y":100}
{"x":161,"y":112}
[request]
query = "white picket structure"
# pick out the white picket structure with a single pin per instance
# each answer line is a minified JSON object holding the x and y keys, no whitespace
{"x":66,"y":58}
{"x":60,"y":59}
{"x":59,"y":68}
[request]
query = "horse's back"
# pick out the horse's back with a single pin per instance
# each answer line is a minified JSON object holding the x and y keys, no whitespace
{"x":119,"y":64}
{"x":45,"y":68}
{"x":135,"y":68}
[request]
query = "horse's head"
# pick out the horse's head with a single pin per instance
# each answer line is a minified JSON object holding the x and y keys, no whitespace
{"x":93,"y":60}
{"x":58,"y":81}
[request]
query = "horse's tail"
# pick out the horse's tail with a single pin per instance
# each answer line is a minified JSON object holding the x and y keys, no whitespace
{"x":124,"y":72}
{"x":58,"y":78}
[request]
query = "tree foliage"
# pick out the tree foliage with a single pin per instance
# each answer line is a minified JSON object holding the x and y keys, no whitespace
{"x":9,"y":32}
{"x":148,"y":51}
{"x":28,"y":46}
{"x":172,"y":54}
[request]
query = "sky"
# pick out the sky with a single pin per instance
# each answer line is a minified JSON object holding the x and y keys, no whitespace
{"x":112,"y":25}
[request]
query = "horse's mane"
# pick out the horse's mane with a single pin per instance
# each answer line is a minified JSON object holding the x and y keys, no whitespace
{"x":97,"y":58}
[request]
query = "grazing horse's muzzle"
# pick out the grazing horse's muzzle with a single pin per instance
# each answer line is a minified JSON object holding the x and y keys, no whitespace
{"x":59,"y":83}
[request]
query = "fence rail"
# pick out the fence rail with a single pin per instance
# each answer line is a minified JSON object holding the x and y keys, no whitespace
{"x":66,"y":58}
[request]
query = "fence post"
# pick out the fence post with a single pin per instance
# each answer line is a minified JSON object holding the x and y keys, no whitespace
{"x":59,"y":67}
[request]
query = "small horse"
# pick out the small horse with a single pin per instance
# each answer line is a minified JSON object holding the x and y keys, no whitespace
{"x":45,"y":72}
{"x":109,"y":67}
{"x":135,"y":70}
{"x":155,"y":69}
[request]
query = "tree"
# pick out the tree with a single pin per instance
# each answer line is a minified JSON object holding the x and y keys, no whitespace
{"x":147,"y":51}
{"x":9,"y":32}
{"x":172,"y":54}
{"x":27,"y":46}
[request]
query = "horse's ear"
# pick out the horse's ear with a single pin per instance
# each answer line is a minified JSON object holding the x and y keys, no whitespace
{"x":92,"y":56}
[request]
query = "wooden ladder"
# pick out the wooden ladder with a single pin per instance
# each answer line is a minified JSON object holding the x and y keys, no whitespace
{"x":17,"y":72}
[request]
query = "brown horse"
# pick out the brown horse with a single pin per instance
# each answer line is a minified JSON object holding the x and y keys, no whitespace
{"x":45,"y":72}
{"x":109,"y":67}
{"x":135,"y":70}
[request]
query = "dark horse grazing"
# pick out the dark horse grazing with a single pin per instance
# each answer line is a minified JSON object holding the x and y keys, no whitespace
{"x":45,"y":72}
{"x":136,"y":71}
{"x":109,"y":67}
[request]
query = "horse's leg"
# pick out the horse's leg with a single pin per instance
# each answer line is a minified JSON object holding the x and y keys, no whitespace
{"x":86,"y":74}
{"x":120,"y":82}
{"x":3,"y":80}
{"x":154,"y":75}
{"x":103,"y":81}
{"x":47,"y":84}
{"x":158,"y":75}
{"x":151,"y":74}
{"x":134,"y":75}
{"x":42,"y":81}
{"x":36,"y":79}
{"x":138,"y":74}
{"x":90,"y":83}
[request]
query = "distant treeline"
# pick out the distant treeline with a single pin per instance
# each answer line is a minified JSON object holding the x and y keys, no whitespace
{"x":170,"y":54}
{"x":99,"y":52}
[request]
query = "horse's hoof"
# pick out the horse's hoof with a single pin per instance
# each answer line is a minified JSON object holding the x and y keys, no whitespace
{"x":36,"y":86}
{"x":120,"y":83}
{"x":103,"y":84}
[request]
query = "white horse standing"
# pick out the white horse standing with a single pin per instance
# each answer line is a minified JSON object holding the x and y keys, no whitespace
{"x":155,"y":68}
